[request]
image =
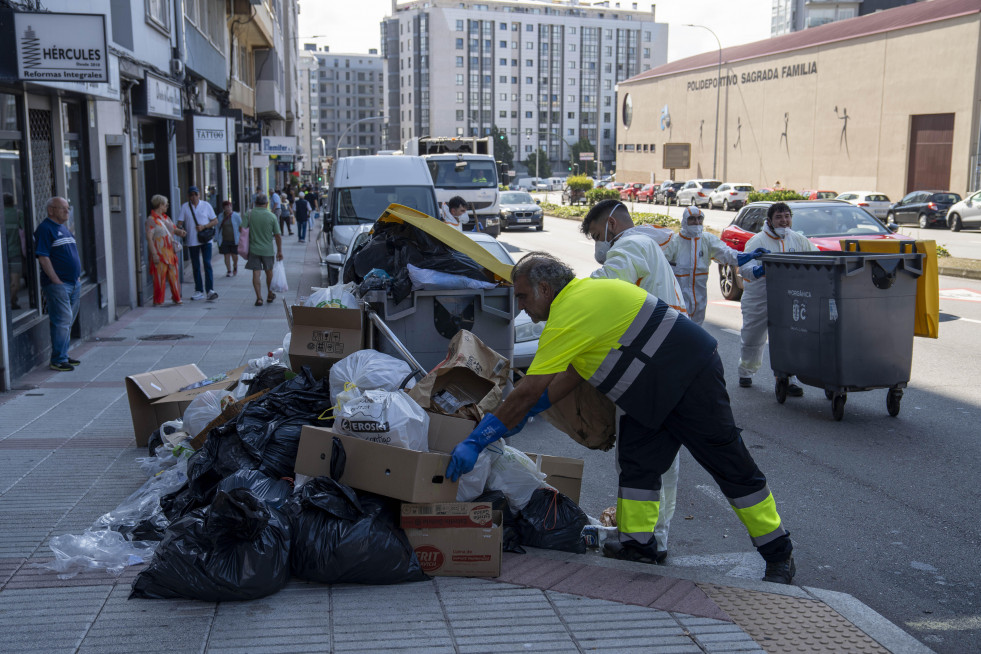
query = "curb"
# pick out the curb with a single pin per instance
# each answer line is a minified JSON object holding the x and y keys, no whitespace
{"x":966,"y":273}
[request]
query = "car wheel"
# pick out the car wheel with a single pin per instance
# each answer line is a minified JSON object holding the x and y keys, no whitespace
{"x":923,"y":221}
{"x":540,"y":226}
{"x":955,"y":223}
{"x":691,"y":202}
{"x":891,"y":218}
{"x":728,"y":285}
{"x":725,"y":205}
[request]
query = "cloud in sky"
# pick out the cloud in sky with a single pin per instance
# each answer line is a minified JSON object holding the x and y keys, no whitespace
{"x":353,"y":25}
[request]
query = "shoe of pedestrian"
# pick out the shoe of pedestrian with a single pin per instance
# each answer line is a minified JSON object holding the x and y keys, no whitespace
{"x":61,"y":367}
{"x":228,"y":274}
{"x":780,"y":572}
{"x":745,"y":382}
{"x":199,"y":295}
{"x":74,"y":362}
{"x":628,"y":552}
{"x":795,"y":391}
{"x":212,"y":295}
{"x":270,"y":297}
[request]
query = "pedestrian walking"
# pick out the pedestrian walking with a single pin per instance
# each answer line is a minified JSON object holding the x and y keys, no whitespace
{"x":664,"y":374}
{"x":199,"y":220}
{"x":57,"y":255}
{"x":162,"y":243}
{"x":302,"y":210}
{"x":263,"y":229}
{"x":229,"y":222}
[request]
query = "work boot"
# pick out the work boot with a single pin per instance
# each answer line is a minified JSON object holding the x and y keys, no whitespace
{"x":745,"y":382}
{"x":780,"y":572}
{"x":631,"y":551}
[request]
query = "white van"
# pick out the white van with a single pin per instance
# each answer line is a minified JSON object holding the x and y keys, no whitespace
{"x":361,"y":188}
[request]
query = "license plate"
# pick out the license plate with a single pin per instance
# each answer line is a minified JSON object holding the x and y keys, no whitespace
{"x":524,"y":220}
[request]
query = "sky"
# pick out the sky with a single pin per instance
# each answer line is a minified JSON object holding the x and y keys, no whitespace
{"x":352,"y":25}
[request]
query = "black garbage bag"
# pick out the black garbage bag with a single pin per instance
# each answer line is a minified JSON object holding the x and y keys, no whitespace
{"x":236,"y":549}
{"x":269,"y":426}
{"x":341,"y":537}
{"x":511,"y":537}
{"x":552,"y":521}
{"x":274,"y":492}
{"x":269,"y":377}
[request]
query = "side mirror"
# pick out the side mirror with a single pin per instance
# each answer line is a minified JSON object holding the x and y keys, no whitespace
{"x":335,"y":259}
{"x":893,"y":227}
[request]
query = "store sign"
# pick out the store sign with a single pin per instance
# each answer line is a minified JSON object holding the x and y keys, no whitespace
{"x":773,"y":72}
{"x":213,"y":134}
{"x":278,"y":145}
{"x":163,"y":99}
{"x":61,"y":47}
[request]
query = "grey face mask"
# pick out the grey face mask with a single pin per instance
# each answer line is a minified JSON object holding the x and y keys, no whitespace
{"x":602,"y":247}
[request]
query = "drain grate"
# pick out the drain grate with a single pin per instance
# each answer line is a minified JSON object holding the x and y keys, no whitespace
{"x":105,"y":339}
{"x":163,"y":337}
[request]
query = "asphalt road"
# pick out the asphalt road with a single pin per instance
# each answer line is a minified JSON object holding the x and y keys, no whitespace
{"x":882,"y":508}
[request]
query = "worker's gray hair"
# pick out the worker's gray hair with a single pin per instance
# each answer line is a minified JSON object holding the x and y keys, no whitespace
{"x":543,"y":267}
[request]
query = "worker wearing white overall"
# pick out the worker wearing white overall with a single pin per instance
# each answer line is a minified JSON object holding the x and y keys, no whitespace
{"x":454,"y":212}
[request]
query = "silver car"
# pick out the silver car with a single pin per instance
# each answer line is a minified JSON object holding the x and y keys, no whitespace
{"x":966,"y":213}
{"x":519,"y":209}
{"x":874,"y":202}
{"x":730,"y":195}
{"x":696,"y":192}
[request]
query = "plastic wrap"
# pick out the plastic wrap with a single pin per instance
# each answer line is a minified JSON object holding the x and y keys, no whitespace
{"x":140,"y":516}
{"x":514,"y":474}
{"x":203,"y":409}
{"x":93,"y":550}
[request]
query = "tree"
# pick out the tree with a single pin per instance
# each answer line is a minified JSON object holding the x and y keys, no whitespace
{"x":503,"y":152}
{"x":538,"y":164}
{"x":585,"y":167}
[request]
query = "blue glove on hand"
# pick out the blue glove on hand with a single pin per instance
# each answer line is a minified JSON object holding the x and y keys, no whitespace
{"x":758,"y":272}
{"x":745,"y":257}
{"x":465,"y":454}
{"x":542,"y":404}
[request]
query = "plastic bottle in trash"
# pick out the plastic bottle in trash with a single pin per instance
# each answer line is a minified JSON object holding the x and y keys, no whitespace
{"x":277,"y":353}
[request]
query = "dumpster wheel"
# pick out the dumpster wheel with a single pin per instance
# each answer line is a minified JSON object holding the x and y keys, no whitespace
{"x":829,"y":394}
{"x":838,"y":405}
{"x":780,"y":389}
{"x":893,"y":399}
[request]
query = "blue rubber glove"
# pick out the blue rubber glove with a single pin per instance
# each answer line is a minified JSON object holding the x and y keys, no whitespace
{"x":465,"y":454}
{"x":542,"y":404}
{"x":759,"y":252}
{"x":758,"y":272}
{"x":745,"y":257}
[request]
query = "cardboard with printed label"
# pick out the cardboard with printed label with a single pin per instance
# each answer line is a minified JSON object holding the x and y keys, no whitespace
{"x":320,"y":337}
{"x":459,"y":551}
{"x":446,"y":514}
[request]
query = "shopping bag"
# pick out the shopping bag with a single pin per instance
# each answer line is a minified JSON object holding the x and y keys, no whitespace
{"x":278,"y":284}
{"x":243,"y":242}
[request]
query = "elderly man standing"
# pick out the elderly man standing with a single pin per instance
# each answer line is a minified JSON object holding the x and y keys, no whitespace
{"x":263,"y":228}
{"x":58,"y":256}
{"x":664,"y":373}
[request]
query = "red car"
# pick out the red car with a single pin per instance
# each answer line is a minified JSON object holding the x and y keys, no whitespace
{"x":646,"y":194}
{"x":629,"y":192}
{"x":823,"y":222}
{"x":819,"y":195}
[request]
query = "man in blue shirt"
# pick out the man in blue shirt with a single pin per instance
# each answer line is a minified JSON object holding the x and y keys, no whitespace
{"x":58,"y":256}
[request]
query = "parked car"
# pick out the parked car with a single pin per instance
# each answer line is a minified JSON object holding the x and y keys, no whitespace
{"x":629,"y":192}
{"x":695,"y":192}
{"x":526,"y":332}
{"x":874,"y":202}
{"x":823,"y":222}
{"x":819,"y":195}
{"x":519,"y":209}
{"x":966,"y":213}
{"x":571,"y":196}
{"x":730,"y":195}
{"x":667,"y":193}
{"x":646,"y":194}
{"x":923,"y":208}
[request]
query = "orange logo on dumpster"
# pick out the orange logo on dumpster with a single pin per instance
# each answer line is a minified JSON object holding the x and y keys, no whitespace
{"x":430,"y":558}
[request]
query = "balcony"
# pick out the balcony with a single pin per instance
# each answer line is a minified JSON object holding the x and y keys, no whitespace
{"x":270,"y":101}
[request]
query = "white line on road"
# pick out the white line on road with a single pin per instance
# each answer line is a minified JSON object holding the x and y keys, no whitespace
{"x":734,"y":332}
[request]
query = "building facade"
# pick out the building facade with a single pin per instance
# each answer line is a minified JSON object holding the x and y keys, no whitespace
{"x":829,"y":108}
{"x":795,"y":15}
{"x":544,"y":73}
{"x":347,"y":96}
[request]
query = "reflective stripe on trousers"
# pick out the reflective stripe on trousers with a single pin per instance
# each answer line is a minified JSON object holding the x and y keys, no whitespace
{"x":758,"y":513}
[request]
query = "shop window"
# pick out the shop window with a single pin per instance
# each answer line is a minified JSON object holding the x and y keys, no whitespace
{"x":20,"y":278}
{"x":77,"y":178}
{"x":157,"y":14}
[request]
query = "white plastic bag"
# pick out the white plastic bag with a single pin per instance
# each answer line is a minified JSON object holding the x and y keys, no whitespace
{"x":473,"y":484}
{"x":386,"y":417}
{"x":338,"y":296}
{"x":105,"y":549}
{"x":367,"y":370}
{"x":434,"y":280}
{"x":278,"y":283}
{"x":514,"y":474}
{"x":203,"y":409}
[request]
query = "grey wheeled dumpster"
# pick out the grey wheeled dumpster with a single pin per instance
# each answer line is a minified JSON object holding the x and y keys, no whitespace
{"x":842,"y":321}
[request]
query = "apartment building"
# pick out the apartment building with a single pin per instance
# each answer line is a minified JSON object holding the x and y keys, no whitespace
{"x":794,"y":15}
{"x":346,"y":102}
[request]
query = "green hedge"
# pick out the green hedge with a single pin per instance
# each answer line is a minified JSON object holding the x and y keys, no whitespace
{"x":579,"y":183}
{"x":595,"y":195}
{"x":579,"y":212}
{"x":774,"y":196}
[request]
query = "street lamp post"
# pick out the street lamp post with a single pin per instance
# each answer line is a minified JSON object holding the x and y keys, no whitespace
{"x":718,"y":86}
{"x":337,"y":151}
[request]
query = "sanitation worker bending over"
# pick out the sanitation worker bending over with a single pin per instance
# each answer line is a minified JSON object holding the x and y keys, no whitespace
{"x":663,"y":371}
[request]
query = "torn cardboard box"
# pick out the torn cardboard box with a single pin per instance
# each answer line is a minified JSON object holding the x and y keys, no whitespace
{"x":561,"y":473}
{"x":320,"y":337}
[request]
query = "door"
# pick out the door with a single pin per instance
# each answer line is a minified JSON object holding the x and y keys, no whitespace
{"x":123,"y":283}
{"x":931,"y":146}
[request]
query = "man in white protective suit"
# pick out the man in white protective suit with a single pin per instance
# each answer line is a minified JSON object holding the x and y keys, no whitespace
{"x":633,"y":254}
{"x":776,"y":236}
{"x":692,"y":253}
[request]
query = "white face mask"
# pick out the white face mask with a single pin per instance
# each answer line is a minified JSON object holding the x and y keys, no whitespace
{"x":693,"y":231}
{"x":781,"y":231}
{"x":602,"y":247}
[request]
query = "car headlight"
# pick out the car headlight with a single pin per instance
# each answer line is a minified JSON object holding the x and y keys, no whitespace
{"x":493,"y":220}
{"x":528,"y":331}
{"x":342,"y":248}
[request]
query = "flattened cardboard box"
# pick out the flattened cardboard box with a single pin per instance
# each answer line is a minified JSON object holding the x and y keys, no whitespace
{"x":562,"y":473}
{"x":447,"y":514}
{"x":459,"y":552}
{"x":387,"y":470}
{"x":320,"y":337}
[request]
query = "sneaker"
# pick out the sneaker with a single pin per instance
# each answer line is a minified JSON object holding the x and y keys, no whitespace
{"x":745,"y":382}
{"x":74,"y":362}
{"x":61,"y":367}
{"x":630,"y":552}
{"x":795,"y":391}
{"x":212,"y":295}
{"x":780,"y":572}
{"x":198,"y":296}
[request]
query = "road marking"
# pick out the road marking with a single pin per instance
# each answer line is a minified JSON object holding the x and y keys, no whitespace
{"x":968,"y":320}
{"x":955,"y":624}
{"x":964,"y":294}
{"x":734,"y":332}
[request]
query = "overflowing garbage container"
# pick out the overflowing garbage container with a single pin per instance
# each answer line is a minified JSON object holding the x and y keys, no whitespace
{"x":842,"y":321}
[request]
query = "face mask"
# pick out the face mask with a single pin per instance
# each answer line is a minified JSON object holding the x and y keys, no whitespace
{"x":693,"y":231}
{"x":780,"y":231}
{"x":602,"y":247}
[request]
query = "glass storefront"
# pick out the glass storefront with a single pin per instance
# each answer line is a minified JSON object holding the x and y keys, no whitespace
{"x":17,"y":228}
{"x":80,"y":221}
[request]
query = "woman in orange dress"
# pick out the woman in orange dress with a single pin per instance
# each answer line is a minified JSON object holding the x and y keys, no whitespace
{"x":160,"y":232}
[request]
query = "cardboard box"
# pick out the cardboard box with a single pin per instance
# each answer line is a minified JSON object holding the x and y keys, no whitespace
{"x":562,"y":473}
{"x":321,"y":336}
{"x":459,"y":551}
{"x":385,"y":469}
{"x":447,"y":514}
{"x":154,"y":397}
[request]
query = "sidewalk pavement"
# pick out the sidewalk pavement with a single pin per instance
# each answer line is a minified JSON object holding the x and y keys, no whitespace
{"x":69,"y":456}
